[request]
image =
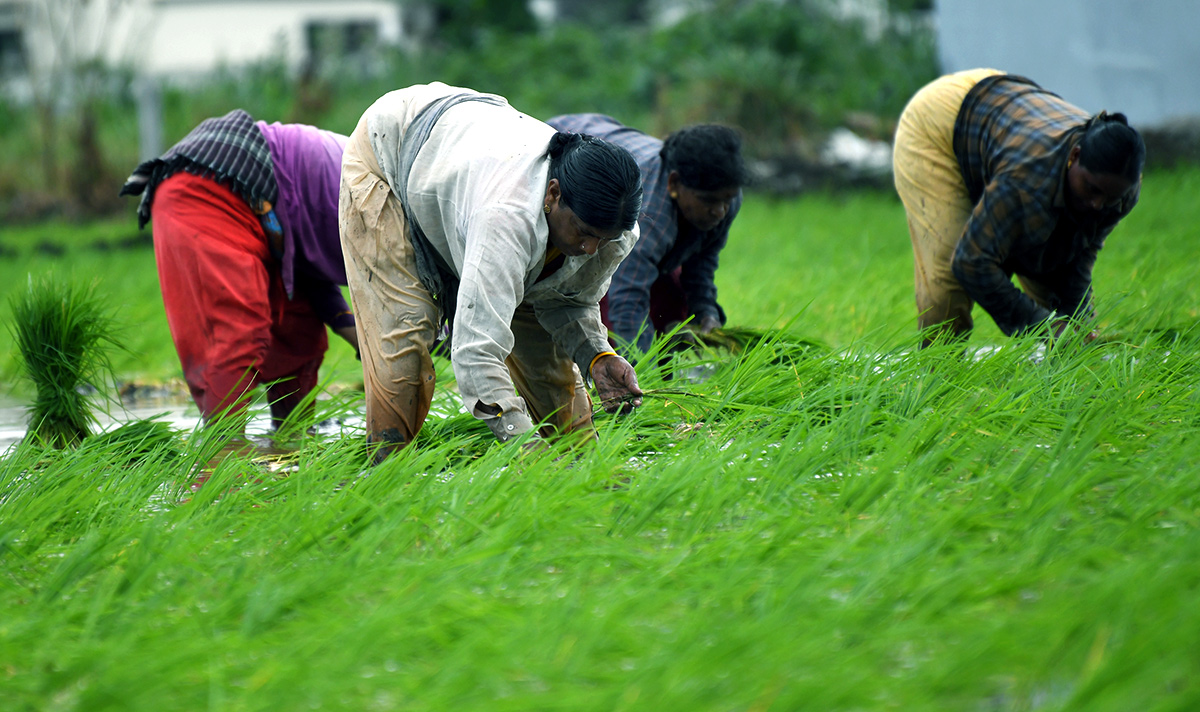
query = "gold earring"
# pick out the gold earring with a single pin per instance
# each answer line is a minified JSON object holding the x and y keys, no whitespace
{"x":546,"y":208}
{"x":674,"y":196}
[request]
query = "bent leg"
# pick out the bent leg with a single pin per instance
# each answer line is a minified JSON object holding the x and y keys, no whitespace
{"x":548,"y":380}
{"x":212,"y":260}
{"x":395,"y":314}
{"x":935,"y":198}
{"x":293,"y":361}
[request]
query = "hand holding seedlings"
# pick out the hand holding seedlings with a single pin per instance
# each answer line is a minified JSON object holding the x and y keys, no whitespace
{"x":1060,"y":326}
{"x":707,"y":324}
{"x":616,"y":383}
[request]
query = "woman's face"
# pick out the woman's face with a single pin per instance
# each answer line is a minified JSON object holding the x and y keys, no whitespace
{"x":1092,"y":195}
{"x":702,"y":209}
{"x":568,"y":233}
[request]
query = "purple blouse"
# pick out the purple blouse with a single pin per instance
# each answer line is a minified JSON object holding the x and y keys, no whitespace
{"x":308,"y":167}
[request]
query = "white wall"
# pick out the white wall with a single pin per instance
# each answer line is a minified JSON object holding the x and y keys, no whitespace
{"x":190,"y":36}
{"x":1141,"y":57}
{"x":197,"y":36}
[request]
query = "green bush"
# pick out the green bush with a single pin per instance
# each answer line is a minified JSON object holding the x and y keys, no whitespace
{"x":782,"y":71}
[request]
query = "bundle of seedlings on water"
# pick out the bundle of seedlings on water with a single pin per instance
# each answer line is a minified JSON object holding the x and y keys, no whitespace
{"x":139,"y":439}
{"x":737,"y":339}
{"x":63,"y":332}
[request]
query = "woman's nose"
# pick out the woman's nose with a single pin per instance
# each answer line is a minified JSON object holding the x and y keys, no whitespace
{"x":590,"y":245}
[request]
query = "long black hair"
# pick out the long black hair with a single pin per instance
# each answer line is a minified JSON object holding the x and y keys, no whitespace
{"x":1110,"y":145}
{"x":707,"y":157}
{"x":599,"y":181}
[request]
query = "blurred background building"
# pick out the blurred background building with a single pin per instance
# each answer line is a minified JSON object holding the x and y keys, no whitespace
{"x":182,"y":38}
{"x":1136,"y":56}
{"x":1132,"y":55}
{"x":89,"y":87}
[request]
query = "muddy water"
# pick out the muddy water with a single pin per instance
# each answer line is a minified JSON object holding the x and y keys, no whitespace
{"x":179,"y":413}
{"x":12,"y":422}
{"x":14,"y":417}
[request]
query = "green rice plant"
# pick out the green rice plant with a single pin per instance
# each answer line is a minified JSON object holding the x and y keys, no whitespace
{"x":63,"y":331}
{"x":736,"y":339}
{"x":860,"y":528}
{"x":140,"y":439}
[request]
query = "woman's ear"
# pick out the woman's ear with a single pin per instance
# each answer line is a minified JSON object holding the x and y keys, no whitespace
{"x":553,"y":193}
{"x":673,"y":184}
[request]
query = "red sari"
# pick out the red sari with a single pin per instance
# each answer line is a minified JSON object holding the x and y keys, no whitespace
{"x":229,"y":316}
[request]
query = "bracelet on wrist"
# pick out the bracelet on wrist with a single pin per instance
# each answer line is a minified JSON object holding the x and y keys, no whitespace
{"x":599,"y":356}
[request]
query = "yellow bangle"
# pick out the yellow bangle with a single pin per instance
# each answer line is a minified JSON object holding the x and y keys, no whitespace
{"x":599,"y":356}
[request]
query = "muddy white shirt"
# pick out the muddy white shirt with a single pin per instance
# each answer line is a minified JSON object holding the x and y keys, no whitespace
{"x":477,"y":188}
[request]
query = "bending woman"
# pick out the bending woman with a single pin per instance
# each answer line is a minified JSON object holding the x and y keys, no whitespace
{"x":1000,"y":177}
{"x":693,"y":191}
{"x":246,"y":241}
{"x":458,"y":210}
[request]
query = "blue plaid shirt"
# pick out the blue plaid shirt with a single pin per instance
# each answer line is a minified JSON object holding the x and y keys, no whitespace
{"x":661,"y":248}
{"x":1011,"y":139}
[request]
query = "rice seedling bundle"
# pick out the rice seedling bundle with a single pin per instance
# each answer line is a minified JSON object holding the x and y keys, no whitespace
{"x":63,"y":331}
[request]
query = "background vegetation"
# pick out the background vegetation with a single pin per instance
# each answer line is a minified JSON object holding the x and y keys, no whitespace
{"x":778,"y":70}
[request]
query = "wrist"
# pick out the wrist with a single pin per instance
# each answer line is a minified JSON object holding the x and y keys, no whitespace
{"x":597,"y":357}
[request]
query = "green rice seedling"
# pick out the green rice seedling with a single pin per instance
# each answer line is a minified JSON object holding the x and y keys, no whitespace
{"x":871,"y":528}
{"x":139,"y":439}
{"x":736,"y":339}
{"x":63,"y":332}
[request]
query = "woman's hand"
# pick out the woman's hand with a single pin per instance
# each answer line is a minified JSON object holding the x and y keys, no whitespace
{"x":707,"y":324}
{"x":350,"y":334}
{"x":616,"y":383}
{"x":1060,"y":326}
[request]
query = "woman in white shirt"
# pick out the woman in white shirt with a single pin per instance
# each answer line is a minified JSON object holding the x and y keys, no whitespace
{"x":458,"y":211}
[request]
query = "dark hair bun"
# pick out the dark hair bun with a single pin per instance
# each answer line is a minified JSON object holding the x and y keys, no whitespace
{"x":561,"y":141}
{"x":1110,"y":145}
{"x":706,"y":156}
{"x":599,"y":181}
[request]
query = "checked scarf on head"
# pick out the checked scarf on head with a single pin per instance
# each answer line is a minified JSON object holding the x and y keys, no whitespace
{"x":229,"y":149}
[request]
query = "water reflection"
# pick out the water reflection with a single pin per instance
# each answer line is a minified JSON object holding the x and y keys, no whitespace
{"x":180,"y":413}
{"x":12,"y":422}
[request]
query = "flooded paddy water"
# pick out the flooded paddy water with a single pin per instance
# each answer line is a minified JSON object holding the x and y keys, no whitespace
{"x":175,"y":409}
{"x":172,"y":405}
{"x":180,"y":414}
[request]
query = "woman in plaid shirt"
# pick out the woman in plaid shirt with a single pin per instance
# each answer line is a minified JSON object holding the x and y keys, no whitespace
{"x":1000,"y":177}
{"x":692,"y":186}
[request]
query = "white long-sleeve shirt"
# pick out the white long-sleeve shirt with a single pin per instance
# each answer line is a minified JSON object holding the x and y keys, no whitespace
{"x":477,"y":188}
